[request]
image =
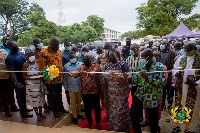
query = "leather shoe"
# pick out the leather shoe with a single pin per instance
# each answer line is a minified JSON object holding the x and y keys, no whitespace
{"x":27,"y":115}
{"x":98,"y":126}
{"x":8,"y":114}
{"x":29,"y":110}
{"x":106,"y":118}
{"x":144,"y":124}
{"x":80,"y":117}
{"x":57,"y":116}
{"x":75,"y":121}
{"x":88,"y":125}
{"x":102,"y":107}
{"x":14,"y":109}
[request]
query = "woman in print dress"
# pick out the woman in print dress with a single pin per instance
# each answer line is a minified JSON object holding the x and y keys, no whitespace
{"x":34,"y":92}
{"x":118,"y":91}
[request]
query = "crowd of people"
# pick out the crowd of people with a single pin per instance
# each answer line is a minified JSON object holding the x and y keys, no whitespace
{"x":105,"y":74}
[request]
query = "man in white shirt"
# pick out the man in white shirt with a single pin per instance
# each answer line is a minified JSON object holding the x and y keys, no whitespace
{"x":188,"y":86}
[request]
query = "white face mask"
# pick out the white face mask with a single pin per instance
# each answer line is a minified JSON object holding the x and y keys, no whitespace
{"x":32,"y":58}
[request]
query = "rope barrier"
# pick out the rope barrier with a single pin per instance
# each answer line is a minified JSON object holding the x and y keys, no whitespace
{"x":108,"y":72}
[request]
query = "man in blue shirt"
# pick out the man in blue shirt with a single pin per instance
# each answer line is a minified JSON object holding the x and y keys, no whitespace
{"x":14,"y":62}
{"x":65,"y":54}
{"x":11,"y":98}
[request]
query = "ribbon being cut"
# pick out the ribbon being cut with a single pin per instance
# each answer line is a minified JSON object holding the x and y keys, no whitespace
{"x":52,"y":72}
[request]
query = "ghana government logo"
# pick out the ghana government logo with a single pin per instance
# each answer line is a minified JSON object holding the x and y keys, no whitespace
{"x":182,"y":114}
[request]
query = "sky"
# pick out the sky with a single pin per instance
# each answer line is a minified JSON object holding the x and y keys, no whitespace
{"x":119,"y":15}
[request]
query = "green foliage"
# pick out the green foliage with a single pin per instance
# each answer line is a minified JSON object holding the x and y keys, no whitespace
{"x":160,"y":17}
{"x":25,"y":39}
{"x":132,"y":34}
{"x":97,"y":23}
{"x":15,"y":13}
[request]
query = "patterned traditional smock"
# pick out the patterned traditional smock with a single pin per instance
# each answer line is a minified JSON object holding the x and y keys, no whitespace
{"x":118,"y":92}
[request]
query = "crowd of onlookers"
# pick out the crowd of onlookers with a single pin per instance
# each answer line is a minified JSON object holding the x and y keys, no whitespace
{"x":107,"y":74}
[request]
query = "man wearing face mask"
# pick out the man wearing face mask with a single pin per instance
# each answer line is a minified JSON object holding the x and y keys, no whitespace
{"x":38,"y":46}
{"x":102,"y":60}
{"x":149,"y":91}
{"x":90,"y":83}
{"x":66,"y":52}
{"x":188,"y":84}
{"x":167,"y":59}
{"x":10,"y":89}
{"x":126,"y":49}
{"x":198,"y":46}
{"x":72,"y":83}
{"x":177,"y":47}
{"x":66,"y":59}
{"x":14,"y":62}
{"x":48,"y":56}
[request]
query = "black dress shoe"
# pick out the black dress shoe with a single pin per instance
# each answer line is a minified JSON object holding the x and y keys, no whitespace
{"x":75,"y":121}
{"x":106,"y":118}
{"x":27,"y":115}
{"x":102,"y":107}
{"x":145,"y":124}
{"x":29,"y":110}
{"x":14,"y":109}
{"x":57,"y":116}
{"x":81,"y":117}
{"x":8,"y":114}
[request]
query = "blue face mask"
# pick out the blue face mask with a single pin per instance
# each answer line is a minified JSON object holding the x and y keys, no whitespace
{"x":73,"y":60}
{"x":162,"y":46}
{"x":182,"y":52}
{"x":154,"y":59}
{"x":40,"y":46}
{"x":6,"y":42}
{"x":198,"y":47}
{"x":144,"y":61}
{"x":83,"y":53}
{"x":132,"y":53}
{"x":68,"y":48}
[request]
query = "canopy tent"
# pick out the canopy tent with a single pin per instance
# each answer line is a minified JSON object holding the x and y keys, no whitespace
{"x":180,"y":32}
{"x":197,"y":34}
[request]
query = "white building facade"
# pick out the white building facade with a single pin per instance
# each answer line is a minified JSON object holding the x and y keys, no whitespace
{"x":111,"y":35}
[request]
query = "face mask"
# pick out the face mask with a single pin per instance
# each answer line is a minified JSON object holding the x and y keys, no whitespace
{"x":6,"y":42}
{"x":83,"y":53}
{"x":73,"y":60}
{"x":198,"y":47}
{"x":132,"y":53}
{"x":162,"y":46}
{"x":68,"y":48}
{"x":40,"y":46}
{"x":106,"y":51}
{"x":86,"y":62}
{"x":15,"y":49}
{"x":55,"y":47}
{"x":31,"y":58}
{"x":182,"y":52}
{"x":154,"y":59}
{"x":112,"y":59}
{"x":144,"y":61}
{"x":190,"y":53}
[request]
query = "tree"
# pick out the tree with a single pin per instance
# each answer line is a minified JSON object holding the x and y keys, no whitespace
{"x":14,"y":14}
{"x":160,"y":17}
{"x":40,"y":27}
{"x":132,"y":34}
{"x":97,"y":23}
